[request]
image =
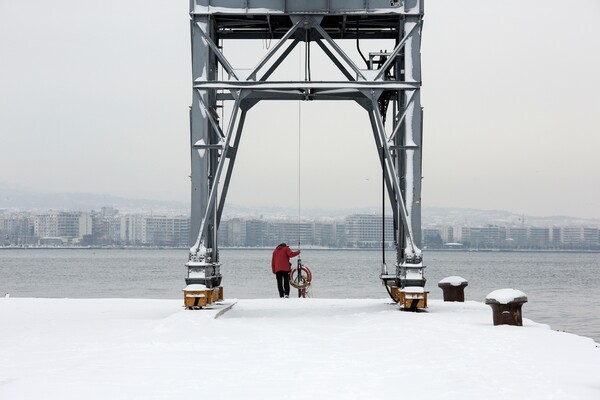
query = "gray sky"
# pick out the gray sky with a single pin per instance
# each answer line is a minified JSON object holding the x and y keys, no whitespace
{"x":95,"y":95}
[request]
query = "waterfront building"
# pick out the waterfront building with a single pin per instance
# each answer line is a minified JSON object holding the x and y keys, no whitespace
{"x":167,"y":231}
{"x":432,"y":238}
{"x":484,"y":237}
{"x":57,"y":224}
{"x":519,"y":235}
{"x":17,"y":229}
{"x":590,"y":236}
{"x":447,"y":233}
{"x":133,"y":229}
{"x":45,"y":225}
{"x":325,"y":234}
{"x":290,"y":232}
{"x":67,"y":224}
{"x":365,"y":230}
{"x":85,"y":225}
{"x":255,"y":233}
{"x":233,"y":232}
{"x":539,"y":237}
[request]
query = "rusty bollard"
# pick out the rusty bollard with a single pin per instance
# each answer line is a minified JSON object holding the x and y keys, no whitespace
{"x":453,"y":288}
{"x":506,"y":306}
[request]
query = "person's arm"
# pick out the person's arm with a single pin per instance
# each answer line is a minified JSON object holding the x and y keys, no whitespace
{"x":291,"y":253}
{"x":273,"y":263}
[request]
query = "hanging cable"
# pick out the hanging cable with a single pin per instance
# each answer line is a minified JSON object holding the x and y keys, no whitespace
{"x":299,"y":138}
{"x":358,"y":46}
{"x":390,"y":294}
{"x":299,"y":262}
{"x":307,"y":76}
{"x":299,"y":165}
{"x":383,"y":218}
{"x":305,"y":55}
{"x":305,"y":62}
{"x":222,"y":74}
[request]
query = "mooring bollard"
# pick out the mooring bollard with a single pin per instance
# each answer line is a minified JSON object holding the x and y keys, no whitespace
{"x":453,"y":288}
{"x":506,"y":306}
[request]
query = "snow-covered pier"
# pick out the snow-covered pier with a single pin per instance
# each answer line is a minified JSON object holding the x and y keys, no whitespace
{"x":284,"y":349}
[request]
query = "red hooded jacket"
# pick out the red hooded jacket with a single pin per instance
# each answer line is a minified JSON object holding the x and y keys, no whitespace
{"x":281,"y":258}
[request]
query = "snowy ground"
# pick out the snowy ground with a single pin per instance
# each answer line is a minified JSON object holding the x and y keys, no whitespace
{"x":284,"y":349}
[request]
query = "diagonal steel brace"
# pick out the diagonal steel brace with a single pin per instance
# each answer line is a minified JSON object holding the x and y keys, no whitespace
{"x":234,"y":121}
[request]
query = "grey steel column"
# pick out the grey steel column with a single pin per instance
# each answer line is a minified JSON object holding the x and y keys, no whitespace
{"x":410,"y":268}
{"x":413,"y":122}
{"x":203,"y":264}
{"x":203,"y":69}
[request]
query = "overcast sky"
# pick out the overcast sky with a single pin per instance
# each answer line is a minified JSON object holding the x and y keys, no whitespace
{"x":94,"y":98}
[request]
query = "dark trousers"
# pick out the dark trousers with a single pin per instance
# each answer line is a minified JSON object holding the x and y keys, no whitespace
{"x":283,"y":283}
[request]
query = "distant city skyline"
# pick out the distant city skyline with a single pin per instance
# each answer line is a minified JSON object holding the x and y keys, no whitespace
{"x":109,"y":227}
{"x":14,"y":197}
{"x":95,"y":100}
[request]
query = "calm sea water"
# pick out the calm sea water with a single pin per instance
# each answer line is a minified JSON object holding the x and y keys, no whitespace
{"x":563,"y":288}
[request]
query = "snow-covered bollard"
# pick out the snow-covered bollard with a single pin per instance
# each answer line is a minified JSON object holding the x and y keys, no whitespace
{"x":506,"y":305}
{"x":453,"y":288}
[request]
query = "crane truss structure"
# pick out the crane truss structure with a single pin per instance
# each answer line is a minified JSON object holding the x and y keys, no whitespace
{"x":387,"y":79}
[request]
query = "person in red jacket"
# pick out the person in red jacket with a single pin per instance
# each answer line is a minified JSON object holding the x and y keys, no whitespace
{"x":281,"y":266}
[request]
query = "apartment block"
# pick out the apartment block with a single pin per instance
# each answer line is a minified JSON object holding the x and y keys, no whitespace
{"x":484,"y":237}
{"x":365,"y":230}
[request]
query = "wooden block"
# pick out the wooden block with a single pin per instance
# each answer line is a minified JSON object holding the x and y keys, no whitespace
{"x":412,"y":301}
{"x":194,"y":299}
{"x":202,"y":298}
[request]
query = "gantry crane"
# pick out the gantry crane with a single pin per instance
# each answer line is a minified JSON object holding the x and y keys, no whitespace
{"x":389,"y":82}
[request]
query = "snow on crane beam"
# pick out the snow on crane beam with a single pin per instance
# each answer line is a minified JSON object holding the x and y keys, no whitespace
{"x":261,"y":7}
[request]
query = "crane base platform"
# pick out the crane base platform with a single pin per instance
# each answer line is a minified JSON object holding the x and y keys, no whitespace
{"x":195,"y":298}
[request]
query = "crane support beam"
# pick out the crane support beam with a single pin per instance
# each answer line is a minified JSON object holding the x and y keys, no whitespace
{"x":291,"y":86}
{"x":390,"y":80}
